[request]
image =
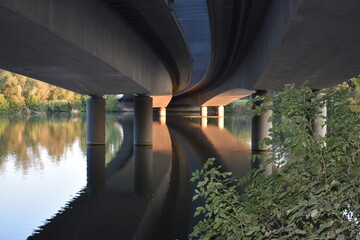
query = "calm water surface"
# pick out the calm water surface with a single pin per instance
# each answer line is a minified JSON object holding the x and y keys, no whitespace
{"x":53,"y":186}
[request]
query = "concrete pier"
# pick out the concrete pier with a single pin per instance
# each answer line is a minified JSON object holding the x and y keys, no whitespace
{"x":162,"y":115}
{"x":95,"y":120}
{"x":318,"y":126}
{"x":260,"y":126}
{"x":162,"y":111}
{"x":221,"y":115}
{"x":262,"y":157}
{"x":143,"y":117}
{"x":204,"y":112}
{"x":221,"y":111}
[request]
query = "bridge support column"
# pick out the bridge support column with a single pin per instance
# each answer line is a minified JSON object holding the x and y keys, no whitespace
{"x":203,"y":111}
{"x":143,"y":117}
{"x":221,"y":111}
{"x":318,"y":126}
{"x":262,"y":157}
{"x":162,"y":113}
{"x":143,"y":159}
{"x":95,"y":120}
{"x":204,"y":114}
{"x":260,"y":127}
{"x":221,"y":114}
{"x":95,"y":168}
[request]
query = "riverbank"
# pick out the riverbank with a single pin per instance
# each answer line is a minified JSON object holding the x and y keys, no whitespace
{"x":55,"y":106}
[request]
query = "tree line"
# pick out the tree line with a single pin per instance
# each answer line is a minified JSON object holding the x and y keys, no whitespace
{"x":23,"y":94}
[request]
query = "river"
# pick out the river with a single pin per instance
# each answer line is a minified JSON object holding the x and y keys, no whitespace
{"x":54,"y":186}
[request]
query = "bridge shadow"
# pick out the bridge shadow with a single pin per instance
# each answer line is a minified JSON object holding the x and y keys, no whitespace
{"x":144,"y":192}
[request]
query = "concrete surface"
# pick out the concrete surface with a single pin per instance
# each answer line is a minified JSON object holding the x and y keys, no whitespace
{"x":215,"y":51}
{"x":79,"y":45}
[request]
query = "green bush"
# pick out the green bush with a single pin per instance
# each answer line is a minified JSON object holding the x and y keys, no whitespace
{"x":112,"y":104}
{"x":16,"y":107}
{"x":236,"y":106}
{"x":4,"y":104}
{"x":58,"y":106}
{"x":354,"y":85}
{"x":78,"y":106}
{"x":38,"y":107}
{"x":314,"y":189}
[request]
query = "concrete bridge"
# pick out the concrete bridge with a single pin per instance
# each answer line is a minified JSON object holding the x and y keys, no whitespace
{"x":203,"y":53}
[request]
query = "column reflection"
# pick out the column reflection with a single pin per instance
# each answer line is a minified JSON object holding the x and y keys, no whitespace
{"x":143,"y":179}
{"x":95,"y":168}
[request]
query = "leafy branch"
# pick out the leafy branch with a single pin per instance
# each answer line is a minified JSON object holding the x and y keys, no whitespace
{"x":313,"y":191}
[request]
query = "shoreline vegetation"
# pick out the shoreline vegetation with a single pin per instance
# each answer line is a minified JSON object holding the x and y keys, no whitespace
{"x":352,"y":86}
{"x":20,"y":95}
{"x":306,"y":187}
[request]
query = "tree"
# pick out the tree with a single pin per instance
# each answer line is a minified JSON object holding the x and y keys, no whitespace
{"x":314,"y":190}
{"x":354,"y":85}
{"x":4,"y":104}
{"x":20,"y":92}
{"x":12,"y":90}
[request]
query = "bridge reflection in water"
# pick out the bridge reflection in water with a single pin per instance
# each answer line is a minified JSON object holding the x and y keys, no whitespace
{"x":144,"y":192}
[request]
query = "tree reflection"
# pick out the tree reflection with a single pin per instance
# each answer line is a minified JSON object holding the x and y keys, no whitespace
{"x":23,"y":140}
{"x":114,"y":136}
{"x":239,"y":126}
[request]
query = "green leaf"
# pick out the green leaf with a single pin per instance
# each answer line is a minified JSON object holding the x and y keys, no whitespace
{"x":312,"y":193}
{"x":300,"y":232}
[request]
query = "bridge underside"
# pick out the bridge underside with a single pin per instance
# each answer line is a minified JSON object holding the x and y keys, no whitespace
{"x":151,"y":47}
{"x":79,"y":45}
{"x":296,"y":41}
